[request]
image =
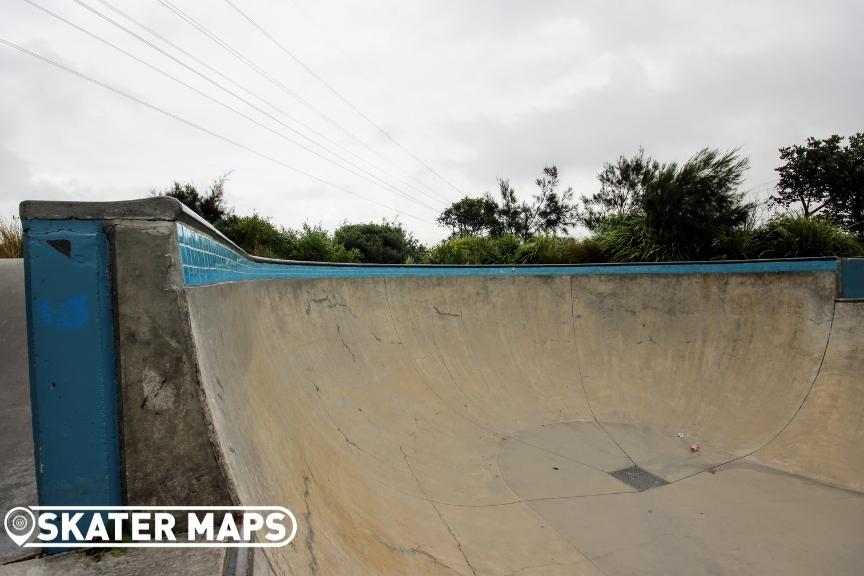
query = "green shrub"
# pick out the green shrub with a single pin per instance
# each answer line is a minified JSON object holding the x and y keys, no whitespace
{"x":387,"y":243}
{"x":540,"y":250}
{"x":792,"y":236}
{"x":257,"y":235}
{"x":629,"y":238}
{"x":585,"y":251}
{"x":736,"y":244}
{"x":687,"y":206}
{"x":507,"y":246}
{"x":314,"y":244}
{"x":466,"y":250}
{"x":510,"y":250}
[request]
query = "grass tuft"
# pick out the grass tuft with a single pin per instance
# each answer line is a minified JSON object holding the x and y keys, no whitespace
{"x":11,"y":238}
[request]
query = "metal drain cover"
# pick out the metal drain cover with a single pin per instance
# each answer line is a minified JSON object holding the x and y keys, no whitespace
{"x":638,"y":478}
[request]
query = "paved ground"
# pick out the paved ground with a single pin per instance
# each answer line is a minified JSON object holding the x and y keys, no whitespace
{"x":472,"y":425}
{"x":130,"y":562}
{"x":17,"y":480}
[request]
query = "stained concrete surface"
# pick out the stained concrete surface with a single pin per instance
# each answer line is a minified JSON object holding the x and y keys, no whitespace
{"x":469,"y":425}
{"x":17,"y":475}
{"x":128,"y":562}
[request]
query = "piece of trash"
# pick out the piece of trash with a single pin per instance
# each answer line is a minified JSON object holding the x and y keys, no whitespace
{"x":694,"y":447}
{"x":681,"y":435}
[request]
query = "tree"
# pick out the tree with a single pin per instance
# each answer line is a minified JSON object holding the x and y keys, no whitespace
{"x":386,"y":243}
{"x":470,"y":216}
{"x":847,"y":199}
{"x":210,"y":205}
{"x":510,"y":215}
{"x":622,"y":186}
{"x":550,"y":212}
{"x":809,"y":174}
{"x":257,"y":235}
{"x":687,"y":206}
{"x":825,"y":177}
{"x":314,"y":244}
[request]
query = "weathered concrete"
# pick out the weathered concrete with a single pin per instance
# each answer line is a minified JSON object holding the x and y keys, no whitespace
{"x":168,"y":457}
{"x":468,"y":425}
{"x":155,"y":208}
{"x":825,"y":439}
{"x":17,"y":476}
{"x":126,"y":562}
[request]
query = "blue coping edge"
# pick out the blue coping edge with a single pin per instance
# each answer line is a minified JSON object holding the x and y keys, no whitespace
{"x":852,"y":278}
{"x":208,"y":261}
{"x":73,"y":386}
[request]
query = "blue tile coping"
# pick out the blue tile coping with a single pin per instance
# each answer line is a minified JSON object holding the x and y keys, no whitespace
{"x":206,"y":261}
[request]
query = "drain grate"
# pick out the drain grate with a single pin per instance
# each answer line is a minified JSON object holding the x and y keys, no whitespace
{"x":638,"y":478}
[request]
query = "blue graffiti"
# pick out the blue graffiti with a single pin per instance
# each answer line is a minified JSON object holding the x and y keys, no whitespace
{"x":69,"y":314}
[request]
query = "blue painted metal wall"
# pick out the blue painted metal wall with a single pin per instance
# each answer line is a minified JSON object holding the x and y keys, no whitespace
{"x":72,"y":374}
{"x":206,"y":261}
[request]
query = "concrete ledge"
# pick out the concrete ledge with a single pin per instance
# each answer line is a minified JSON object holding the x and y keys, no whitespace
{"x":155,"y":208}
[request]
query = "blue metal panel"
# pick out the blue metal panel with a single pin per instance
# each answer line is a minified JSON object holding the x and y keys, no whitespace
{"x":72,"y":375}
{"x":206,"y":261}
{"x":852,"y":278}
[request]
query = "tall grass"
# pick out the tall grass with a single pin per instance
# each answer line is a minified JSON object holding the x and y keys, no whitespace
{"x":11,"y":238}
{"x":510,"y":250}
{"x":792,"y":236}
{"x":629,"y":238}
{"x":554,"y":250}
{"x":468,"y":250}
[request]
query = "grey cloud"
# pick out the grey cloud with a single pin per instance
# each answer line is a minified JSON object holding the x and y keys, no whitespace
{"x":477,"y":89}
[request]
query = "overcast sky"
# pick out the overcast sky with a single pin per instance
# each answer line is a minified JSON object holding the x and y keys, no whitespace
{"x":475,"y":89}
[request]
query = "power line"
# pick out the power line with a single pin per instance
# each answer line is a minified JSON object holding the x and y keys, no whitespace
{"x":203,"y":94}
{"x":198,"y":127}
{"x":281,"y":111}
{"x":766,"y":184}
{"x":357,"y":70}
{"x":377,"y":181}
{"x":338,"y":94}
{"x":242,"y":58}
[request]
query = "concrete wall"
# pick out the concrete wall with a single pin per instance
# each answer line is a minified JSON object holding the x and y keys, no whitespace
{"x":168,"y":456}
{"x":379,"y":407}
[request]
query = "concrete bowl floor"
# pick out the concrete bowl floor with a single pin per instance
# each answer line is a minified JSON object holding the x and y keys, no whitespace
{"x":712,"y":517}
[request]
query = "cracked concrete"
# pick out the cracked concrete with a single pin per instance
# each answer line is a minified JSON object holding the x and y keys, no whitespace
{"x":342,"y":339}
{"x":309,"y":531}
{"x":438,"y":512}
{"x":484,"y":446}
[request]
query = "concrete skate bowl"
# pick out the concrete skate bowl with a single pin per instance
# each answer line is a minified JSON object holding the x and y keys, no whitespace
{"x":471,"y":425}
{"x":494,"y":420}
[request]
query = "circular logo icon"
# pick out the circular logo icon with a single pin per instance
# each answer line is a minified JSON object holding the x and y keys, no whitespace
{"x":20,"y":523}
